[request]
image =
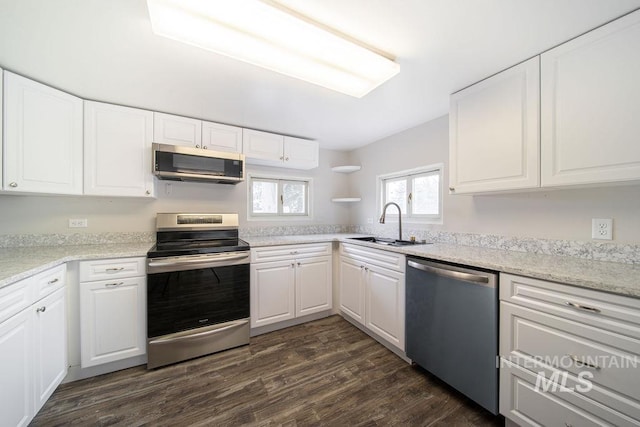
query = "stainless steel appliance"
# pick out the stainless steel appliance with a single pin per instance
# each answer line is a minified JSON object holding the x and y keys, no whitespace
{"x":197,"y":287}
{"x":178,"y":163}
{"x":452,"y":326}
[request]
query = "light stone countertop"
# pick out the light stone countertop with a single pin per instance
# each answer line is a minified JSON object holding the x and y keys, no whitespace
{"x":612,"y":277}
{"x":21,"y":262}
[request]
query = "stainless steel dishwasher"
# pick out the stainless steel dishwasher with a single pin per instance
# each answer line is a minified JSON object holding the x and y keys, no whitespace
{"x":452,"y":326}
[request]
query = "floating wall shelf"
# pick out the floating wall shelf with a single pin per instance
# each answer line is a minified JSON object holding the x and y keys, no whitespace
{"x":346,"y":169}
{"x":346,"y":199}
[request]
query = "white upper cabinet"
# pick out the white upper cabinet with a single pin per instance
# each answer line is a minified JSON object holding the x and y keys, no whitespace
{"x":263,"y":148}
{"x":117,"y":155}
{"x":591,"y":107}
{"x":42,"y":138}
{"x":177,"y":130}
{"x":269,"y":149}
{"x":494,"y":132}
{"x":219,"y":137}
{"x":300,"y":153}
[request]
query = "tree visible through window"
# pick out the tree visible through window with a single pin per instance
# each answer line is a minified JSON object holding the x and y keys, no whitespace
{"x":275,"y":197}
{"x":417,"y":192}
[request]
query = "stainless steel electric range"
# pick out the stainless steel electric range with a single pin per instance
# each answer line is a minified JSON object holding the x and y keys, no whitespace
{"x":197,"y":287}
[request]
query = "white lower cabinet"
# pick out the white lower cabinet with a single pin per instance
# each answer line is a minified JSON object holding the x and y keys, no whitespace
{"x":33,"y":346}
{"x":569,"y":356}
{"x":112,"y":312}
{"x":372,"y":291}
{"x":296,"y":285}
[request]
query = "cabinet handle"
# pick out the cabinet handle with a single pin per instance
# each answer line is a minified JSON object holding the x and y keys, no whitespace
{"x":41,"y":309}
{"x":281,"y":157}
{"x":51,"y":282}
{"x":197,"y":146}
{"x":580,"y":363}
{"x":293,"y":252}
{"x":452,"y":189}
{"x":366,"y":269}
{"x":286,"y":159}
{"x":204,"y":146}
{"x":298,"y":264}
{"x":582,"y":307}
{"x":113,"y":285}
{"x":13,"y":184}
{"x":293,"y":264}
{"x":114,"y":269}
{"x":361,"y":267}
{"x":147,"y":192}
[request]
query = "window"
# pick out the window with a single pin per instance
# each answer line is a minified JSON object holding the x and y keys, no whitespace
{"x":272,"y":197}
{"x":418,"y":192}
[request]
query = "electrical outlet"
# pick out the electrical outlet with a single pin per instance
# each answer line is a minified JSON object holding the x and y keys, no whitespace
{"x":77,"y":223}
{"x":602,"y":228}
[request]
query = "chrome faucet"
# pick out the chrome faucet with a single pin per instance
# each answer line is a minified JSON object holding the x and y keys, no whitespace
{"x":384,"y":213}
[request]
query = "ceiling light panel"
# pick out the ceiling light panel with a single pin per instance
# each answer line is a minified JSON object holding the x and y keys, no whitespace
{"x":256,"y":32}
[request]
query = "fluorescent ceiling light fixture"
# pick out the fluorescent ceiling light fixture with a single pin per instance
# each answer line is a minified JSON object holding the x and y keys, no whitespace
{"x":268,"y":35}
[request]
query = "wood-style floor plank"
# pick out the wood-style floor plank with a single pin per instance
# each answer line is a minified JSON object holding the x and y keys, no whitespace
{"x":326,"y":372}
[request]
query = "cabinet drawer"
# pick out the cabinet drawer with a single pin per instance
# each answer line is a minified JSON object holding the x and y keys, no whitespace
{"x":385,"y":259}
{"x":278,"y":253}
{"x":50,"y":280}
{"x":572,"y":347}
{"x":599,"y":309}
{"x":106,"y":269}
{"x":528,"y":401}
{"x":15,"y":298}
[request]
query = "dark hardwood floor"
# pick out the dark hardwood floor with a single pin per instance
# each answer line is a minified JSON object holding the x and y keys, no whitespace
{"x":326,"y":372}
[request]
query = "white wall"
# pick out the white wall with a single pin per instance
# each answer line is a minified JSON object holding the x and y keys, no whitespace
{"x":50,"y":214}
{"x":556,"y":214}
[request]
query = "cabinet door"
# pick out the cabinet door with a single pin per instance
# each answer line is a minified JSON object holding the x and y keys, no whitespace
{"x":300,"y":153}
{"x":43,"y":138}
{"x":16,"y":370}
{"x":494,"y":132}
{"x":117,"y":153}
{"x":219,"y":137}
{"x":1,"y":131}
{"x":50,"y":345}
{"x":352,"y":288}
{"x":263,"y":148}
{"x":272,"y":292}
{"x":313,"y":285}
{"x":113,"y":320}
{"x":177,"y":130}
{"x":590,"y":107}
{"x":384,"y":298}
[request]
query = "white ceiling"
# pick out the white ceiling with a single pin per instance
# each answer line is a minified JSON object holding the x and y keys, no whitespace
{"x":105,"y":50}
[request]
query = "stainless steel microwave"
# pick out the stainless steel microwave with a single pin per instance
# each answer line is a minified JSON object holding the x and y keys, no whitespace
{"x":179,"y":163}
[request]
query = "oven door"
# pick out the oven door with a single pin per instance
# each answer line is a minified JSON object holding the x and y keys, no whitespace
{"x":196,"y":305}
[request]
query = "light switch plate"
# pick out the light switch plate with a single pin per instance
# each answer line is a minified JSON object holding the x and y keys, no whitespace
{"x":602,"y":228}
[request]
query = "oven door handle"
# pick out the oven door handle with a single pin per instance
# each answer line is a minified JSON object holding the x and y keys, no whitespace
{"x":181,"y":336}
{"x":201,"y":261}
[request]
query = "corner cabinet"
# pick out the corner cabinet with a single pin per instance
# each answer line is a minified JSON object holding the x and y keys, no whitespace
{"x":588,"y":95}
{"x":568,"y":356}
{"x":494,"y":132}
{"x":33,"y":344}
{"x":372,"y":291}
{"x":117,"y":154}
{"x":269,"y":149}
{"x":290,"y":281}
{"x":113,"y":321}
{"x":42,"y":138}
{"x":591,"y":105}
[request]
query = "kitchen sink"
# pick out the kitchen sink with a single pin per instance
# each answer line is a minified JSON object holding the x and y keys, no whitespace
{"x":388,"y":242}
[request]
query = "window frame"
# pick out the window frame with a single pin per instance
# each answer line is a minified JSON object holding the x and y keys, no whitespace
{"x":279,"y":215}
{"x":409,"y":175}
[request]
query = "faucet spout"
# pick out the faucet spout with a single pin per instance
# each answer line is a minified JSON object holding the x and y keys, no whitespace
{"x":384,"y":214}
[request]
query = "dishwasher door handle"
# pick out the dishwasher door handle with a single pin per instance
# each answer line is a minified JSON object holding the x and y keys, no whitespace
{"x":459,"y":275}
